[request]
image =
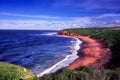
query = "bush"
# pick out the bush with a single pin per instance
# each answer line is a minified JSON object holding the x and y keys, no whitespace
{"x":87,"y":69}
{"x":86,"y":73}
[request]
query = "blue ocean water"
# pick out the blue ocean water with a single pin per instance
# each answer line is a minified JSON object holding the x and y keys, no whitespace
{"x":36,"y":50}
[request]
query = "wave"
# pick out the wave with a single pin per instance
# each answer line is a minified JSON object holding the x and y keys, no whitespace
{"x":66,"y":61}
{"x":49,"y":33}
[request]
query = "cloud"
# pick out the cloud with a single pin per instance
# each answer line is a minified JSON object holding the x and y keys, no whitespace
{"x":104,"y":20}
{"x":101,"y":4}
{"x":89,"y":4}
{"x":108,"y":15}
{"x":67,"y":3}
{"x":32,"y":24}
{"x":29,"y":16}
{"x":80,"y":22}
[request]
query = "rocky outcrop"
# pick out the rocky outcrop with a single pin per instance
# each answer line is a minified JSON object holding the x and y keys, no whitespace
{"x":62,"y":32}
{"x":94,"y":54}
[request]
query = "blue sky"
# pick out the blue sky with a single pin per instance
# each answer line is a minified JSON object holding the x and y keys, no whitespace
{"x":60,"y":10}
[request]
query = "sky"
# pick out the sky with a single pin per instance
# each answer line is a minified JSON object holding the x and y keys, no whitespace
{"x":58,"y":14}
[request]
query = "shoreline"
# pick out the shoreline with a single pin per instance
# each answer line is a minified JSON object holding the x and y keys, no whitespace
{"x":94,"y":54}
{"x":64,"y":62}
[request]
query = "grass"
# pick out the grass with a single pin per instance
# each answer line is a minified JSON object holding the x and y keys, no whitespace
{"x":86,"y":73}
{"x":109,"y":35}
{"x":13,"y":72}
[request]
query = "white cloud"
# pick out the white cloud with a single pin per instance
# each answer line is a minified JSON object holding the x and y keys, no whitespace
{"x":57,"y":25}
{"x":30,"y":16}
{"x":101,"y":4}
{"x":108,"y":15}
{"x":89,"y":4}
{"x":32,"y":24}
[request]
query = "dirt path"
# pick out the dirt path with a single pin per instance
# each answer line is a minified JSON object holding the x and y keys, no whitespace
{"x":93,"y":53}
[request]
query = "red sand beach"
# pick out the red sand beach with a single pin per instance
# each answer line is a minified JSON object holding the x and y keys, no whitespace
{"x":94,"y":54}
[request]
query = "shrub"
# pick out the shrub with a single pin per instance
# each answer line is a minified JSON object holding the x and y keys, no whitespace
{"x":87,"y":69}
{"x":86,"y":73}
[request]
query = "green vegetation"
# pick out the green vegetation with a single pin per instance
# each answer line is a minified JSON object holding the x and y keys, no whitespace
{"x":86,"y":73}
{"x":12,"y":72}
{"x":110,"y":37}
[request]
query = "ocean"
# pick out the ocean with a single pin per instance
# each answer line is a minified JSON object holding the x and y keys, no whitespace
{"x":41,"y":51}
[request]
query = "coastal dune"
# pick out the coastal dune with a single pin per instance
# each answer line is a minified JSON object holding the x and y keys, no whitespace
{"x":94,"y":53}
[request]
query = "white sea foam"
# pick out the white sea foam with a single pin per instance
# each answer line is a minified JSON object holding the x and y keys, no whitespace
{"x":49,"y":33}
{"x":65,"y":62}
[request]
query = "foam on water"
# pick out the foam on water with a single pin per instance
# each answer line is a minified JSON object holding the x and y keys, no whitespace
{"x":66,"y":61}
{"x":49,"y":33}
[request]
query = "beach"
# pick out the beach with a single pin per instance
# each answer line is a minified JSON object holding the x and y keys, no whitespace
{"x":94,"y":53}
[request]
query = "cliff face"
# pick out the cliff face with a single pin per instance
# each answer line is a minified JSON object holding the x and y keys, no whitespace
{"x":62,"y":32}
{"x":94,"y":54}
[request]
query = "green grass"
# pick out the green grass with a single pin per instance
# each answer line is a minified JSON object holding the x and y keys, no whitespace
{"x":111,"y":37}
{"x":13,"y":72}
{"x":86,"y":73}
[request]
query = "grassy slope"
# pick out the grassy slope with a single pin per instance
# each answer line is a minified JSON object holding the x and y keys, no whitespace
{"x":13,"y":72}
{"x":85,"y":73}
{"x":110,"y":38}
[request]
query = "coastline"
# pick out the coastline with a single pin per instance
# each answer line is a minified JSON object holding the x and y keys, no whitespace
{"x":94,"y":53}
{"x":64,"y":62}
